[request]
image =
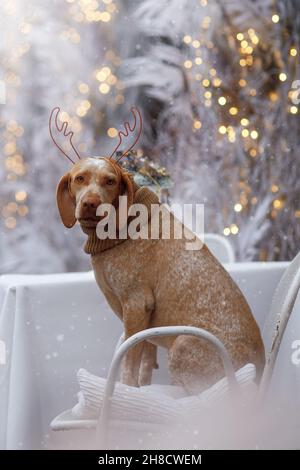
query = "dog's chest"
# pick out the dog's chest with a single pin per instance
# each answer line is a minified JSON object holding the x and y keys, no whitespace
{"x":117,"y":272}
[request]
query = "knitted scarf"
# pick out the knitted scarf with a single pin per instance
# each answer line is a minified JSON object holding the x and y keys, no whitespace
{"x":95,"y":245}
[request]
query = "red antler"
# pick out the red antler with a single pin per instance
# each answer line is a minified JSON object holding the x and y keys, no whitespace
{"x":61,"y":129}
{"x":129,"y":129}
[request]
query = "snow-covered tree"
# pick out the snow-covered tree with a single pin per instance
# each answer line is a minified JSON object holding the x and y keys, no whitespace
{"x":214,"y":81}
{"x":52,"y":53}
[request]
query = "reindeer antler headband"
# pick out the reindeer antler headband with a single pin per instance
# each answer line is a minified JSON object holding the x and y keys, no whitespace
{"x":63,"y":130}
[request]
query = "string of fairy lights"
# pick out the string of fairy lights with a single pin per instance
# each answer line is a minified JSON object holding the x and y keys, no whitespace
{"x":103,"y":80}
{"x":235,"y":124}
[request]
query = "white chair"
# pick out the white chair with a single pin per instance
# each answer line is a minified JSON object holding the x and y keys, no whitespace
{"x":280,"y":311}
{"x":220,"y":247}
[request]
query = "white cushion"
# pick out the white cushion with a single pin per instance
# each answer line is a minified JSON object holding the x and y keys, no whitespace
{"x":155,"y":403}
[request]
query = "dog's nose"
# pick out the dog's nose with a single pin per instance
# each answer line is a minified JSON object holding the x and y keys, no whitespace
{"x":89,"y":205}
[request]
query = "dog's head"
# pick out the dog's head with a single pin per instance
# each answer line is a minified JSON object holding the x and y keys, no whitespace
{"x":89,"y":183}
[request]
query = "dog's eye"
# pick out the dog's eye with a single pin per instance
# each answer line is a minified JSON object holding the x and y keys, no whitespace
{"x":110,"y":181}
{"x":79,"y":179}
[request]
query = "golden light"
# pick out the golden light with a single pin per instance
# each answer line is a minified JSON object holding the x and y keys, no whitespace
{"x":213,"y":72}
{"x":222,"y":100}
{"x":187,"y":39}
{"x":106,"y":70}
{"x":86,"y":104}
{"x":231,"y":134}
{"x":97,"y":16}
{"x":217,"y":82}
{"x":277,"y":204}
{"x":101,"y":77}
{"x":64,"y":116}
{"x":254,"y":134}
{"x":238,"y":207}
{"x":234,"y":229}
{"x":198,"y":61}
{"x":81,"y":111}
{"x":83,"y":88}
{"x":12,"y":207}
{"x":207,"y":95}
{"x":233,"y":111}
{"x":197,"y":124}
{"x":23,"y":210}
{"x":275,"y":18}
{"x":105,"y":16}
{"x":10,"y":222}
{"x":242,"y":83}
{"x":196,"y":44}
{"x":293,"y":110}
{"x":240,"y":36}
{"x":282,"y":77}
{"x":255,"y":39}
{"x":274,"y":188}
{"x":245,"y":122}
{"x":243,"y":63}
{"x":10,"y":148}
{"x":226,"y":231}
{"x":206,"y":22}
{"x":112,"y":132}
{"x":19,"y":131}
{"x":188,"y":64}
{"x":293,"y":52}
{"x":273,"y":96}
{"x":104,"y":88}
{"x":253,"y":152}
{"x":103,"y":73}
{"x":21,"y":196}
{"x":112,"y":80}
{"x":222,"y":130}
{"x":245,"y":133}
{"x":244,"y":44}
{"x":206,"y":82}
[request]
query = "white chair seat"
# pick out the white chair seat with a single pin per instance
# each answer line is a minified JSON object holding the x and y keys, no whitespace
{"x":154,"y":405}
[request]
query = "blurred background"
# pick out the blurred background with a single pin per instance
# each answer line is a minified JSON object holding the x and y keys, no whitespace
{"x":216,"y":82}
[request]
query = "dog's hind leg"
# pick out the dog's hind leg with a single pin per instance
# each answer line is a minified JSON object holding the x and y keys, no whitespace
{"x":194,"y":364}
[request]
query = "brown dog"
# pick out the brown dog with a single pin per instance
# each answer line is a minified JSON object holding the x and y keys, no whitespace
{"x":151,"y":283}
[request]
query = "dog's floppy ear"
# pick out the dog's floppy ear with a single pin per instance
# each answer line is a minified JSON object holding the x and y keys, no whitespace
{"x":65,"y":202}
